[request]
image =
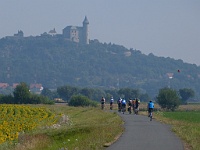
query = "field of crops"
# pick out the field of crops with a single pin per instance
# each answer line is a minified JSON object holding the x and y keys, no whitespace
{"x":16,"y":119}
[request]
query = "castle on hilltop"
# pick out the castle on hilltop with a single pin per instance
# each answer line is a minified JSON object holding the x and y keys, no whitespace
{"x":72,"y":33}
{"x":77,"y":34}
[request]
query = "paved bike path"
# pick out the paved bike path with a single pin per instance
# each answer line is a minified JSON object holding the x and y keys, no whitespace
{"x":142,"y":134}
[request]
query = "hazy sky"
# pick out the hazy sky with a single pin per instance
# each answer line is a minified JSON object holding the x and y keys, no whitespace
{"x":168,"y":28}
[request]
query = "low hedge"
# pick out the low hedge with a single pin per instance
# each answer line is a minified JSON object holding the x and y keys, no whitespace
{"x":80,"y":100}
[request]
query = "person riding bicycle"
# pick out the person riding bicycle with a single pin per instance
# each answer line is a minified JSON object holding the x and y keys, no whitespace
{"x":150,"y":107}
{"x":133,"y":104}
{"x":123,"y":105}
{"x":119,"y":102}
{"x":136,"y":106}
{"x":111,"y":103}
{"x":103,"y":101}
{"x":129,"y":105}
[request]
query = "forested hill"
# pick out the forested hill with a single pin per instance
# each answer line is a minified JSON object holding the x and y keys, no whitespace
{"x":54,"y":62}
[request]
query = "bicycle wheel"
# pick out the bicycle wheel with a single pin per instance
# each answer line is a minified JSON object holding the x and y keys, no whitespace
{"x":102,"y":106}
{"x":123,"y":109}
{"x":151,"y":116}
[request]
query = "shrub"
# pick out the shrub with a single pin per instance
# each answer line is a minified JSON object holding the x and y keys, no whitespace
{"x":168,"y":99}
{"x":6,"y":99}
{"x":80,"y":100}
{"x":40,"y":99}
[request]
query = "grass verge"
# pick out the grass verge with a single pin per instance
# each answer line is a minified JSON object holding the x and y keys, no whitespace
{"x":185,"y":124}
{"x":81,"y":128}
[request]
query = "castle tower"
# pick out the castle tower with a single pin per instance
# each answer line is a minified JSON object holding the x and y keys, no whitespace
{"x":85,"y":34}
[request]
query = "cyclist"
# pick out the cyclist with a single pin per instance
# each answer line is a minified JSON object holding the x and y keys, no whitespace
{"x":136,"y":106}
{"x":111,"y":103}
{"x":103,"y":101}
{"x":119,"y":102}
{"x":150,"y":107}
{"x":129,"y":105}
{"x":133,"y":104}
{"x":123,"y":105}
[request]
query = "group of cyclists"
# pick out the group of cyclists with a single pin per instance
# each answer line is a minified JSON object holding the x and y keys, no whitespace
{"x":132,"y":104}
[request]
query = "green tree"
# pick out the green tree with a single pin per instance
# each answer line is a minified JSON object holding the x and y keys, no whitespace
{"x":185,"y":94}
{"x":66,"y":92}
{"x":97,"y":94}
{"x":80,"y":100}
{"x":113,"y":93}
{"x":6,"y":99}
{"x":87,"y":92}
{"x":168,"y":99}
{"x":108,"y":97}
{"x":129,"y":93}
{"x":40,"y":99}
{"x":22,"y":94}
{"x":144,"y":97}
{"x":50,"y":94}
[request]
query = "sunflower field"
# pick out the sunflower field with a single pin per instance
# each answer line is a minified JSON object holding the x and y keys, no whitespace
{"x":16,"y":119}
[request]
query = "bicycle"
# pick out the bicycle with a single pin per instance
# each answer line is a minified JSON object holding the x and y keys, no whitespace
{"x":111,"y":106}
{"x":102,"y":102}
{"x":151,"y":115}
{"x":136,"y":111}
{"x":123,"y":108}
{"x":119,"y":107}
{"x":111,"y":103}
{"x":129,"y":109}
{"x":102,"y":106}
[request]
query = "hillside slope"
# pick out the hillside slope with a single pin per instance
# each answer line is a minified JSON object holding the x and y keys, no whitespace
{"x":54,"y":62}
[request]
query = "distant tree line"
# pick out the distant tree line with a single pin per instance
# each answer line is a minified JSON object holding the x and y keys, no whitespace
{"x":66,"y":92}
{"x":167,"y":98}
{"x":22,"y":95}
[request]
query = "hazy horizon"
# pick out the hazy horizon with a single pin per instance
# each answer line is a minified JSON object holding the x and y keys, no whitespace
{"x":165,"y":28}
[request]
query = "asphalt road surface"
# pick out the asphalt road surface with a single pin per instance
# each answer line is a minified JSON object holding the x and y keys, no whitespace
{"x":142,"y":134}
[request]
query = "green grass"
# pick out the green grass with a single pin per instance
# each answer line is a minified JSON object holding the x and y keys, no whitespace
{"x":90,"y":128}
{"x":190,"y":116}
{"x":86,"y":129}
{"x":185,"y":124}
